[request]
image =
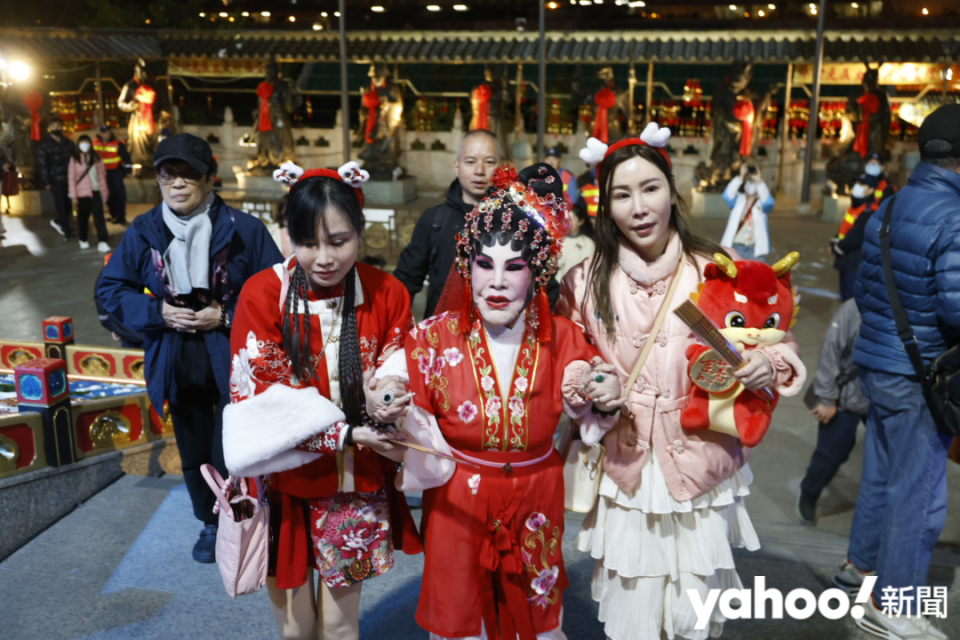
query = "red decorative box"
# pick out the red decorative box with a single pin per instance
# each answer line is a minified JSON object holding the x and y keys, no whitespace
{"x":42,"y":382}
{"x":58,"y":329}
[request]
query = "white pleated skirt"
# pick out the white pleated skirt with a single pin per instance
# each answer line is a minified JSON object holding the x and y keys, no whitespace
{"x":650,"y":549}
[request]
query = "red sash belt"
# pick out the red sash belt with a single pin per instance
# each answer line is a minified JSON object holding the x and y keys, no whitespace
{"x":506,"y":611}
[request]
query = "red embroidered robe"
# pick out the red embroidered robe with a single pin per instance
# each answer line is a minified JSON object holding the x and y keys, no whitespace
{"x":291,"y":430}
{"x":492,"y":535}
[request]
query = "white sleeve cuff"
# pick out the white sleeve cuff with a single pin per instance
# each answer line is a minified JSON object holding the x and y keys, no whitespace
{"x":260,"y":434}
{"x":394,"y":365}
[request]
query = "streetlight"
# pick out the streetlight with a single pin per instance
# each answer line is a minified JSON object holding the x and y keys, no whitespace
{"x":19,"y":71}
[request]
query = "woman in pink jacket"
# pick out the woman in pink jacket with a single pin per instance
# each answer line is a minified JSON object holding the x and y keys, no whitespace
{"x":87,"y":186}
{"x":671,"y":501}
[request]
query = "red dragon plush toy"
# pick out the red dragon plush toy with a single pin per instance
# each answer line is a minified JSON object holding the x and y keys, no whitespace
{"x":754,"y":306}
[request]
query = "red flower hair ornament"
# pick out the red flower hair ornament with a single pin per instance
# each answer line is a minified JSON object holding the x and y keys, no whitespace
{"x":351,"y":174}
{"x":549,"y":215}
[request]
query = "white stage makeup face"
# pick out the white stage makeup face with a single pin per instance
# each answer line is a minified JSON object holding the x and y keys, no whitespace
{"x":501,"y":281}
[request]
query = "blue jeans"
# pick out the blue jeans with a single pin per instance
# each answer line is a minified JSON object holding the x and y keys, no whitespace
{"x":902,"y":505}
{"x":847,"y":281}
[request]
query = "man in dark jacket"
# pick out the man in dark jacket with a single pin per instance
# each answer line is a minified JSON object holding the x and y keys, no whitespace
{"x":902,"y":505}
{"x":433,"y":246}
{"x":193,"y":253}
{"x":868,"y":193}
{"x":53,"y":156}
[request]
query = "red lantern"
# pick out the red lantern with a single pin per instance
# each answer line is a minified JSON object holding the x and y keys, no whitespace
{"x":371,"y":102}
{"x":605,"y":100}
{"x":869,"y":105}
{"x":482,"y":95}
{"x":264,"y":92}
{"x":33,"y":99}
{"x":744,"y":112}
{"x":146,"y":96}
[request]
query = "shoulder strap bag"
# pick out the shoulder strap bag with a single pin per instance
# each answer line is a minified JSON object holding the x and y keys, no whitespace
{"x":582,"y":465}
{"x":941,"y":380}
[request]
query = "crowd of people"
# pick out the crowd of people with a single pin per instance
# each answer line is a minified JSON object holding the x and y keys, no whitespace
{"x":285,"y":358}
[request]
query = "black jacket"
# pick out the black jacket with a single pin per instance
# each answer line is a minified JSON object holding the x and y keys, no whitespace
{"x":847,"y":251}
{"x":433,"y":247}
{"x":52,"y":159}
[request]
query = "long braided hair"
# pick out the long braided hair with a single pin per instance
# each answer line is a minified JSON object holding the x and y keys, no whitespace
{"x":308,"y":206}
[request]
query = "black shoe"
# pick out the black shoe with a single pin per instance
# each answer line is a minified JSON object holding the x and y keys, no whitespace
{"x":205,"y":551}
{"x":807,"y":508}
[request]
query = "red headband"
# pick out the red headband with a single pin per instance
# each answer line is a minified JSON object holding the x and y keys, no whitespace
{"x":652,"y":136}
{"x":330,"y":173}
{"x":350,"y":174}
{"x":628,"y":142}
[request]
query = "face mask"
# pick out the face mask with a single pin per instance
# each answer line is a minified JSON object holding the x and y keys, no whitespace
{"x":84,"y":147}
{"x":56,"y":132}
{"x":873,"y":169}
{"x":750,"y":188}
{"x":859,"y":191}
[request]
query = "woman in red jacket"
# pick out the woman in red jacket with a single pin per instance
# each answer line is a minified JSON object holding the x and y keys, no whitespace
{"x":306,"y":334}
{"x":88,"y":190}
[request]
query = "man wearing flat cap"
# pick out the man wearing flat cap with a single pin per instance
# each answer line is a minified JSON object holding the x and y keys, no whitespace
{"x":175,"y":277}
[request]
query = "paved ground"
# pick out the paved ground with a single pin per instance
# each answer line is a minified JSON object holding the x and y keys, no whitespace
{"x":119,"y":566}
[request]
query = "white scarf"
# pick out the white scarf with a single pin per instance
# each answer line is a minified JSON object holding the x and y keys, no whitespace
{"x":647,"y":273}
{"x":187,"y":259}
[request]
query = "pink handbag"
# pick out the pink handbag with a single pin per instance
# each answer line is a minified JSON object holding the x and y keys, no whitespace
{"x":243,"y":535}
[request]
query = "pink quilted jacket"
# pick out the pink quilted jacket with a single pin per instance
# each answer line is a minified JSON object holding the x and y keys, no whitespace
{"x":81,"y":187}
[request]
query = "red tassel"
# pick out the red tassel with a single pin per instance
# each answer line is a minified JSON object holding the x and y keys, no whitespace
{"x":544,"y":318}
{"x":466,"y":307}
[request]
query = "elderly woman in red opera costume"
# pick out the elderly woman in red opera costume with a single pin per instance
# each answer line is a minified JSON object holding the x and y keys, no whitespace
{"x":491,"y":376}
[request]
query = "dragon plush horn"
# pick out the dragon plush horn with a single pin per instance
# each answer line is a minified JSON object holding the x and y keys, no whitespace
{"x":726,"y":264}
{"x":788,"y":262}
